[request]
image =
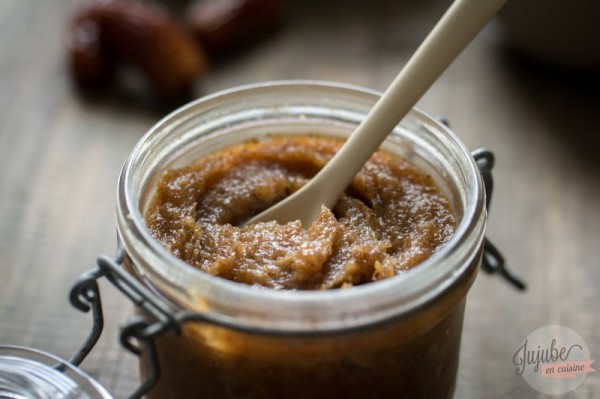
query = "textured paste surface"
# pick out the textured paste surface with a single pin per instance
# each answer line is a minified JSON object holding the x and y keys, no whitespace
{"x":390,"y":219}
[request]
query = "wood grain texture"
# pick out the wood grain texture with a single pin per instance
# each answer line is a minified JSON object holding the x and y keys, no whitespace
{"x":60,"y":157}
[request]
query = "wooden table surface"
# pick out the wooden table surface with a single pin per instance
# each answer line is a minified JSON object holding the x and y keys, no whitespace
{"x":60,"y":157}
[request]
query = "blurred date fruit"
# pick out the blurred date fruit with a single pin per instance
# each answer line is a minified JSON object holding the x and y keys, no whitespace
{"x":106,"y":34}
{"x":222,"y":25}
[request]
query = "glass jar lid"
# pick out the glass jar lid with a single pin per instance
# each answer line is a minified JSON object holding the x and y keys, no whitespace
{"x":32,"y":374}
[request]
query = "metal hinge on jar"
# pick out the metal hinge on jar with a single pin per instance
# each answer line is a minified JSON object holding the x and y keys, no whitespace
{"x":493,"y":261}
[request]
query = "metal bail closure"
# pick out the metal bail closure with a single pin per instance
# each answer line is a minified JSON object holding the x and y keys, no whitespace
{"x":493,"y":261}
{"x":137,"y":335}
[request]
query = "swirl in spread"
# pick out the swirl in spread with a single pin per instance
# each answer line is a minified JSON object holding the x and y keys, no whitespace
{"x":391,"y":218}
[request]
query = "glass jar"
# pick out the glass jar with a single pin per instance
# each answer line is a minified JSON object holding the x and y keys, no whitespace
{"x":398,"y":337}
{"x":31,"y":374}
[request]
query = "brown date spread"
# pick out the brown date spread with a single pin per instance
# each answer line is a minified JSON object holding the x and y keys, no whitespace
{"x":391,"y":217}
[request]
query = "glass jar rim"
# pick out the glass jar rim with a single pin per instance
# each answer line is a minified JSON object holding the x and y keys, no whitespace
{"x":406,"y":293}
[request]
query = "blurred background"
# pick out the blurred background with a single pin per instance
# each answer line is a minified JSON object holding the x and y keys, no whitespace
{"x":73,"y":103}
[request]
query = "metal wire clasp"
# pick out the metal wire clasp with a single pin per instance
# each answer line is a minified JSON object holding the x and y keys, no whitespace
{"x":493,"y":261}
{"x":137,"y":335}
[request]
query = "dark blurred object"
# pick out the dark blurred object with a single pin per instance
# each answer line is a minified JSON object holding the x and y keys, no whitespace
{"x":222,"y":25}
{"x":560,"y":33}
{"x":89,"y":61}
{"x":107,"y":34}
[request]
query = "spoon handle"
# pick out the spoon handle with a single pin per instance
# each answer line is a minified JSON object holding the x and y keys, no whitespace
{"x":459,"y":25}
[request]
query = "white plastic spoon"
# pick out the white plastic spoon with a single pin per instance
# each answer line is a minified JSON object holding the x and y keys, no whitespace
{"x":459,"y":25}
